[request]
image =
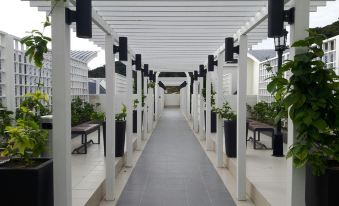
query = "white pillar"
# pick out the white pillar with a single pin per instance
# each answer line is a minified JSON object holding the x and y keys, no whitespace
{"x":241,"y":119}
{"x":296,"y":177}
{"x":150,"y":97}
{"x":129,"y":127}
{"x":188,"y":97}
{"x":220,"y":122}
{"x":110,"y":120}
{"x":195,"y":106}
{"x":61,"y":84}
{"x":201,"y":109}
{"x":10,"y":76}
{"x":139,"y":108}
{"x":209,"y":141}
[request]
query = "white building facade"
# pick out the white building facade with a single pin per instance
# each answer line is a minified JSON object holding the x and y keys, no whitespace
{"x":19,"y":77}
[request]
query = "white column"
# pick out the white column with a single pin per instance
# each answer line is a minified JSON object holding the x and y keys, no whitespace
{"x":110,"y":120}
{"x":201,"y":109}
{"x":145,"y":119}
{"x":241,"y":119}
{"x":139,"y":108}
{"x":157,"y":89}
{"x":195,"y":107}
{"x":61,"y":84}
{"x":10,"y":76}
{"x":129,"y":127}
{"x":220,"y":122}
{"x":209,"y":141}
{"x":296,"y":177}
{"x":188,"y":97}
{"x":150,"y":97}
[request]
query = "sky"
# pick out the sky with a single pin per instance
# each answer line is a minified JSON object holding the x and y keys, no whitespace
{"x":17,"y":17}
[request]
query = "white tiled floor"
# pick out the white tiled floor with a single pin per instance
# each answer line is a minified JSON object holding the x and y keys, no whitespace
{"x":88,"y":170}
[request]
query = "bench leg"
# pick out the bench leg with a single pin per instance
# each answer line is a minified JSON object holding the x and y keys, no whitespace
{"x":85,"y":144}
{"x":255,"y":139}
{"x":259,"y":136}
{"x":99,"y":135}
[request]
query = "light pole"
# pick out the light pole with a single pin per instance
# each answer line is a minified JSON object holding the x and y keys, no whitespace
{"x":280,"y":47}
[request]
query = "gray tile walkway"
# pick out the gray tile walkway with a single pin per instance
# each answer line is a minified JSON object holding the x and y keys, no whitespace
{"x":173,"y":170}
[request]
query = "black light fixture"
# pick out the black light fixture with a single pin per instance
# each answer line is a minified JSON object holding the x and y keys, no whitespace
{"x":146,"y":70}
{"x":195,"y":75}
{"x":277,"y":16}
{"x":155,"y":76}
{"x":211,"y":63}
{"x":230,"y":50}
{"x":122,"y":49}
{"x":201,"y":70}
{"x":137,"y":62}
{"x":83,"y":18}
{"x":150,"y":74}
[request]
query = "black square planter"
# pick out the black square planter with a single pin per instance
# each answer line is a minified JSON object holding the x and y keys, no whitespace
{"x":230,"y":130}
{"x":120,"y":131}
{"x":135,"y":121}
{"x":213,"y":121}
{"x":322,"y":190}
{"x":27,"y":186}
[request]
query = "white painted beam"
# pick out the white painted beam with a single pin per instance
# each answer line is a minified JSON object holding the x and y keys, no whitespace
{"x":219,"y":103}
{"x":129,"y":128}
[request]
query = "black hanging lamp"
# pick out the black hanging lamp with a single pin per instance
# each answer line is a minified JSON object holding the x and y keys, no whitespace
{"x":277,"y":16}
{"x":146,"y":70}
{"x":122,"y":49}
{"x":82,"y":16}
{"x":230,"y":50}
{"x":211,"y":63}
{"x":201,"y":70}
{"x":137,"y":62}
{"x":195,"y":75}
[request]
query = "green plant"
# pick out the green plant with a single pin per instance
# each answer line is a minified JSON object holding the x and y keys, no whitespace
{"x":225,"y":112}
{"x":311,"y":94}
{"x":26,"y":140}
{"x":266,"y":112}
{"x":81,"y":111}
{"x":135,"y":103}
{"x":5,"y":119}
{"x":98,"y":116}
{"x":213,"y":93}
{"x":151,"y":85}
{"x":122,"y":115}
{"x":34,"y":106}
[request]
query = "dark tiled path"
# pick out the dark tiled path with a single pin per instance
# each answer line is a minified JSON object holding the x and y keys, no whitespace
{"x":173,"y":170}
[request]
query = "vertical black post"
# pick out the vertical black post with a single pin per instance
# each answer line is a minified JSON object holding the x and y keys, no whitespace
{"x":278,"y":137}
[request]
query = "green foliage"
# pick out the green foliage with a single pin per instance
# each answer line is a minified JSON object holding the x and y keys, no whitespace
{"x":98,"y":116}
{"x":151,"y":85}
{"x":267,"y":113}
{"x":36,"y":44}
{"x":34,"y":106}
{"x":135,"y":103}
{"x":311,"y":94}
{"x":5,"y":119}
{"x":82,"y":111}
{"x":213,"y":93}
{"x":225,"y":112}
{"x":329,"y":30}
{"x":122,"y":115}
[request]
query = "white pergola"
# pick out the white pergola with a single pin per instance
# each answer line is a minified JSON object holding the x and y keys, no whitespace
{"x":172,"y":35}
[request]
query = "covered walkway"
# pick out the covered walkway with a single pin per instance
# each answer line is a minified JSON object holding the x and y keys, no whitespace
{"x":173,"y":170}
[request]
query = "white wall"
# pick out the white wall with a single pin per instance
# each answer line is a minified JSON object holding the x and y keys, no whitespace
{"x":172,"y":100}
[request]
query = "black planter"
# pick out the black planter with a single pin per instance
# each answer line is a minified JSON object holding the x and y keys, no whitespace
{"x":230,"y":130}
{"x":27,"y":186}
{"x":213,"y":121}
{"x":135,"y":121}
{"x":322,"y":190}
{"x":120,"y":131}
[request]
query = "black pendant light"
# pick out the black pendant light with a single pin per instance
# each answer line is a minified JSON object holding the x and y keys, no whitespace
{"x":146,"y":70}
{"x":195,"y":75}
{"x":137,"y":62}
{"x":277,"y":16}
{"x":211,"y":63}
{"x":230,"y":50}
{"x":122,"y":49}
{"x":201,"y":70}
{"x":83,"y":18}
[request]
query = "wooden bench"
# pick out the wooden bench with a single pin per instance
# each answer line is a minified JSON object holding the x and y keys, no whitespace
{"x":83,"y":130}
{"x":258,"y":127}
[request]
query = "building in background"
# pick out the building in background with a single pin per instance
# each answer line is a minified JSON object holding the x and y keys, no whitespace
{"x":19,"y":77}
{"x":261,"y":58}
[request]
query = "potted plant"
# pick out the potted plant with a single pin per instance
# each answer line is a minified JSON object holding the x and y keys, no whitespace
{"x":135,"y":115}
{"x":213,"y":114}
{"x":311,"y":94}
{"x":23,"y":172}
{"x":230,"y":128}
{"x":120,"y":130}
